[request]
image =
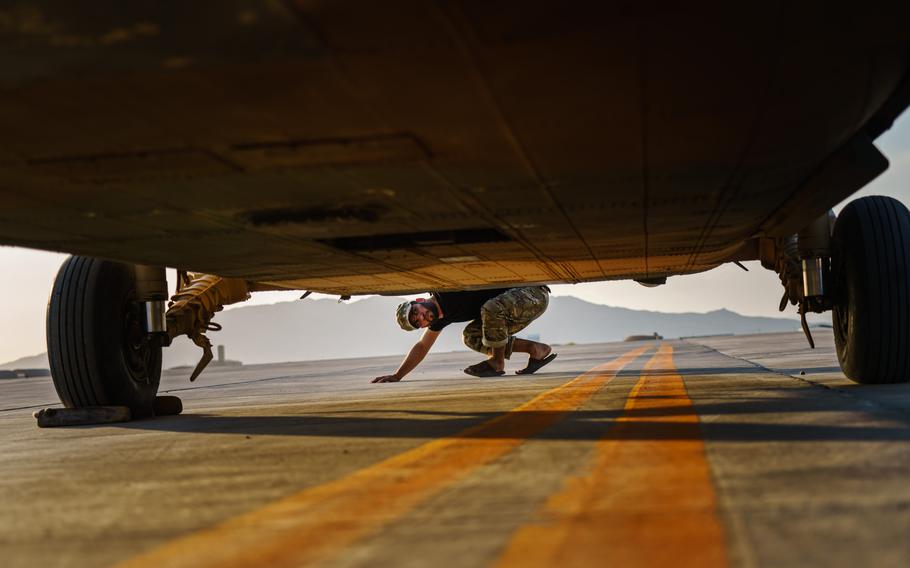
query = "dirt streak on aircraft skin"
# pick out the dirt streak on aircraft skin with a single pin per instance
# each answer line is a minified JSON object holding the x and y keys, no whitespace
{"x":319,"y":522}
{"x":646,"y":498}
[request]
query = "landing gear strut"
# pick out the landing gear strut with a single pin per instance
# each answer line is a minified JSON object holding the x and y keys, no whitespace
{"x":99,"y":350}
{"x":860,"y":271}
{"x":106,"y":325}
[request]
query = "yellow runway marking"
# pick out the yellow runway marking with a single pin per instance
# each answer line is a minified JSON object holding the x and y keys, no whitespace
{"x":648,"y":500}
{"x":318,"y":522}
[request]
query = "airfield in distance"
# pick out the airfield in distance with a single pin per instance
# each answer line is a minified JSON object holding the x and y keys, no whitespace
{"x":741,"y":451}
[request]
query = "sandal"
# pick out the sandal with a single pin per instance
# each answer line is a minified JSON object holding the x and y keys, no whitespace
{"x":535,"y":364}
{"x":483,"y":369}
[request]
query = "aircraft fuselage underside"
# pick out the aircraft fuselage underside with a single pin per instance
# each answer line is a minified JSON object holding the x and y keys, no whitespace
{"x":353,"y":147}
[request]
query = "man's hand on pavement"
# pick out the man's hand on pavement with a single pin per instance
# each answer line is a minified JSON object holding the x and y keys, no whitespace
{"x":386,"y":379}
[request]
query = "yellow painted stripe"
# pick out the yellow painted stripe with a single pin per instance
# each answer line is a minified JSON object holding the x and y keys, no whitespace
{"x":318,"y":522}
{"x":647,"y":500}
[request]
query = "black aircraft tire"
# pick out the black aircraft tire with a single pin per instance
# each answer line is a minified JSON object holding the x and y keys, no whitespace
{"x":871,"y":277}
{"x":97,"y":348}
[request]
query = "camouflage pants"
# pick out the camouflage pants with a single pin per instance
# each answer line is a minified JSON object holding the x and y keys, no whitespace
{"x":504,"y":316}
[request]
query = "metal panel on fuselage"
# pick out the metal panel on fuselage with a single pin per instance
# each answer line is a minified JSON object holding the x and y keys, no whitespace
{"x":602,"y":142}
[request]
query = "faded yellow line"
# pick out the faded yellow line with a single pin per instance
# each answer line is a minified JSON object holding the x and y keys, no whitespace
{"x":647,"y":500}
{"x":318,"y":522}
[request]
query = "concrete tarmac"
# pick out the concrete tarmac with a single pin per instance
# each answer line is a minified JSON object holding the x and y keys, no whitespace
{"x":739,"y":451}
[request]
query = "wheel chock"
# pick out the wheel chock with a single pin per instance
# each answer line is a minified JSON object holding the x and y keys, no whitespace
{"x":53,"y":417}
{"x":168,"y":405}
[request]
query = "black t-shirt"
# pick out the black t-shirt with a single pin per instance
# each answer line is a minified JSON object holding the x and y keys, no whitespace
{"x":461,"y":306}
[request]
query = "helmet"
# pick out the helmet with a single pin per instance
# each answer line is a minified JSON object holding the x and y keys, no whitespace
{"x":404,"y":310}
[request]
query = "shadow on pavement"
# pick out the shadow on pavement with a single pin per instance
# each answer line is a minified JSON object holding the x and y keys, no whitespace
{"x":744,"y":370}
{"x":645,"y":424}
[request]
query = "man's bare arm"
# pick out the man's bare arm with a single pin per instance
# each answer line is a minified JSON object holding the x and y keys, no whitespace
{"x":415,"y":356}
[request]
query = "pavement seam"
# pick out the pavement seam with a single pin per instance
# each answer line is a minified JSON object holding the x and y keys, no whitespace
{"x":894,"y":411}
{"x":42,"y":405}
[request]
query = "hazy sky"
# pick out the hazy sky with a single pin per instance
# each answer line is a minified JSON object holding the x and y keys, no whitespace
{"x":28,"y":276}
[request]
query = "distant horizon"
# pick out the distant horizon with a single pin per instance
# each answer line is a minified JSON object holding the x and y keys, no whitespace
{"x":589,"y":318}
{"x":323,"y":297}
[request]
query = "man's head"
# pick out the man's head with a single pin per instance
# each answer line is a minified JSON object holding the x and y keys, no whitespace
{"x":417,"y":314}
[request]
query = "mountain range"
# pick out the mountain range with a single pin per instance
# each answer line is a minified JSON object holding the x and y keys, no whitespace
{"x":325,"y":329}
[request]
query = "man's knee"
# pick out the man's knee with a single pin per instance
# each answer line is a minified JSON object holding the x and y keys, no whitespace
{"x":494,"y":314}
{"x":474,"y":342}
{"x":473,"y":337}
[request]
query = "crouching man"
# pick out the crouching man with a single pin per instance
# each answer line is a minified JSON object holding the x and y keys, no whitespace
{"x":495,"y":316}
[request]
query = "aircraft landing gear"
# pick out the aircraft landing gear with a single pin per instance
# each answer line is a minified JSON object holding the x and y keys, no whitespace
{"x":871,"y":290}
{"x":858,"y":266}
{"x":99,"y":348}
